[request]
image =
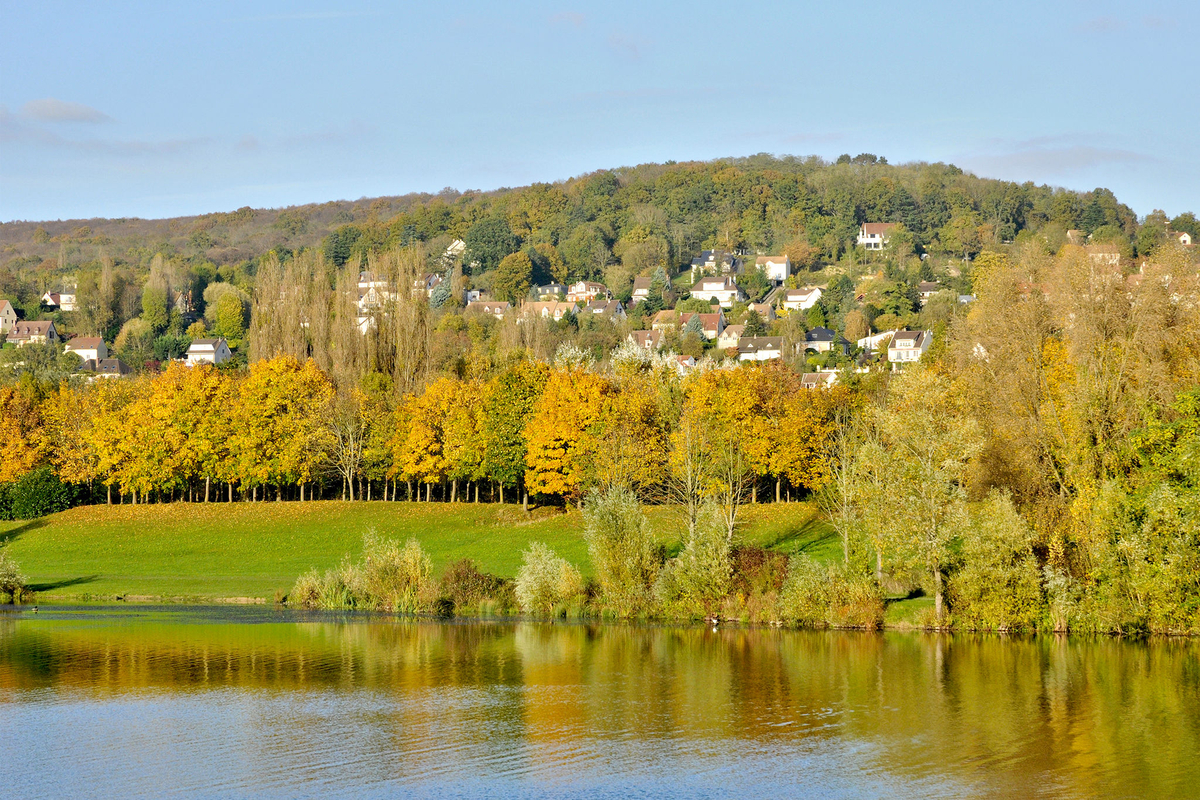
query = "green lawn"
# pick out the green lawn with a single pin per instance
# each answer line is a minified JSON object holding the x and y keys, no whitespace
{"x":217,"y":550}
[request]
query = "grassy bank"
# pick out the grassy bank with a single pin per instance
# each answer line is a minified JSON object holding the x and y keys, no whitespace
{"x":251,"y":550}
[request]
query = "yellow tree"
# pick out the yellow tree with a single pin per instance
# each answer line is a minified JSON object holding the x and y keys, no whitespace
{"x":464,"y":435}
{"x":68,"y":414}
{"x":21,"y":436}
{"x":564,"y":431}
{"x":422,"y":455}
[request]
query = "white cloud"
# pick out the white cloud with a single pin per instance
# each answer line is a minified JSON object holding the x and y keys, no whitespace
{"x":51,"y":109}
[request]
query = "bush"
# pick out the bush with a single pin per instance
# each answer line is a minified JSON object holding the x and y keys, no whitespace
{"x":36,"y":494}
{"x":696,"y":581}
{"x":394,"y":578}
{"x":757,"y":570}
{"x":999,"y":586}
{"x":334,"y":589}
{"x":622,"y":549}
{"x":467,"y":587}
{"x":12,"y":582}
{"x":545,"y":581}
{"x":818,"y":596}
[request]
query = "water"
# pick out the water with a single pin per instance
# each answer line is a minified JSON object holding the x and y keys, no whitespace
{"x":264,"y":703}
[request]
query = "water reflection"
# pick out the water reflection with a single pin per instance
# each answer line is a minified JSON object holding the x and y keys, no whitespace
{"x":260,"y":702}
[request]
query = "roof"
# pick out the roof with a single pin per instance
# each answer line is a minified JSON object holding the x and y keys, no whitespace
{"x":820,"y":335}
{"x":929,"y":286}
{"x":877,"y":228}
{"x":759,"y":343}
{"x":32,"y":327}
{"x":645,"y":338}
{"x":710,"y":321}
{"x":206,"y":344}
{"x":642,"y":283}
{"x":733,"y":332}
{"x":771,"y":259}
{"x":720,"y":283}
{"x":804,"y":291}
{"x":488,"y":306}
{"x":85,"y":343}
{"x":914,"y":336}
{"x":5,"y":304}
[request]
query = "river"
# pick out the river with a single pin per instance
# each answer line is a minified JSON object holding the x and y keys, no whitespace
{"x":259,"y":702}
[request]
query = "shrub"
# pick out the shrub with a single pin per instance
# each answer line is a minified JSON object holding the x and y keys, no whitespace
{"x":545,"y":581}
{"x":12,"y":582}
{"x":36,"y":494}
{"x":466,"y":586}
{"x":394,"y":578}
{"x":999,"y":585}
{"x":698,"y":579}
{"x":819,"y":596}
{"x":621,"y":547}
{"x":757,"y":570}
{"x":334,"y":589}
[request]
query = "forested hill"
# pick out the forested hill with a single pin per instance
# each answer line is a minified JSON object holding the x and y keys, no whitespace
{"x":613,"y":223}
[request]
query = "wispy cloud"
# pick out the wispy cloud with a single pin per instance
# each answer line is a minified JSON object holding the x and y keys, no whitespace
{"x":1048,"y":157}
{"x":573,"y":18}
{"x":50,"y":109}
{"x":15,"y":129}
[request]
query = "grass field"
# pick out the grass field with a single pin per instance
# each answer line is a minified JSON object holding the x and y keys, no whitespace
{"x":209,"y":551}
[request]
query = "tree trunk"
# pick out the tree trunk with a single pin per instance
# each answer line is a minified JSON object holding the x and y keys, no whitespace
{"x":754,"y":492}
{"x":525,"y":503}
{"x":502,"y":494}
{"x":408,"y":491}
{"x":476,"y":491}
{"x":207,"y":481}
{"x":279,"y":493}
{"x":110,"y":494}
{"x":428,"y":491}
{"x":368,"y":490}
{"x":777,"y":483}
{"x":454,"y":492}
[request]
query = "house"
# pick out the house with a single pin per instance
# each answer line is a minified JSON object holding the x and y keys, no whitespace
{"x":51,"y":299}
{"x":667,"y":319}
{"x":722,"y":289}
{"x":875,"y":235}
{"x":551,"y":291}
{"x":1183,"y":237}
{"x":824,"y":340}
{"x":873,"y":341}
{"x":685,"y":363}
{"x":106,"y":367}
{"x":713,"y":324}
{"x":8,"y":316}
{"x":453,"y":252}
{"x":88,"y":348}
{"x":641,"y":290}
{"x":586,"y":291}
{"x":760,"y":348}
{"x":613,"y":308}
{"x":801,"y":299}
{"x":776,"y":268}
{"x":550,"y":309}
{"x":183,"y":302}
{"x":729,"y":337}
{"x":927,"y":289}
{"x":908,"y":346}
{"x":497,"y":308}
{"x":819,"y":380}
{"x":427,"y":283}
{"x":208,"y":351}
{"x":715,"y":262}
{"x":35,"y":332}
{"x":650,"y":340}
{"x":765,"y":310}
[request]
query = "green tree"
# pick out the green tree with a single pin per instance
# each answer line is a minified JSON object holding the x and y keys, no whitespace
{"x":754,"y":325}
{"x":488,"y":242}
{"x":230,"y":319}
{"x":512,"y":278}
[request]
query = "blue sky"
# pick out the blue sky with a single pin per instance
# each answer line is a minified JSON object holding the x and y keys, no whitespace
{"x":162,"y":109}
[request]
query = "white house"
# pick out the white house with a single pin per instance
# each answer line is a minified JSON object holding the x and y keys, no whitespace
{"x":35,"y":332}
{"x":1184,"y":237}
{"x":819,"y":380}
{"x":650,"y":340}
{"x":730,"y":336}
{"x":551,"y":309}
{"x":908,"y":347}
{"x":64,"y":300}
{"x":823,"y":340}
{"x":641,"y":290}
{"x":801,"y":299}
{"x":586,"y":291}
{"x":875,"y":235}
{"x":88,"y":348}
{"x":927,"y":289}
{"x":760,"y":348}
{"x":208,"y":351}
{"x":722,"y":289}
{"x":496,"y":308}
{"x":613,"y":308}
{"x":8,"y":316}
{"x":765,"y":310}
{"x":776,"y":268}
{"x":551,"y":291}
{"x":715,"y":262}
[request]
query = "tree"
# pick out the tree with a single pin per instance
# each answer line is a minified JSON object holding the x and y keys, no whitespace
{"x":565,"y":428}
{"x":507,"y":411}
{"x":230,"y":319}
{"x":754,"y":324}
{"x":487,"y":243}
{"x":621,"y":548}
{"x":512,"y":278}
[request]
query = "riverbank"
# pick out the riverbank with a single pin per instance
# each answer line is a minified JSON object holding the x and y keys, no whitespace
{"x":249,"y":552}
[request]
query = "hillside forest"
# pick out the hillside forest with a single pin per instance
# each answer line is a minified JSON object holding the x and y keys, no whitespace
{"x":1038,"y":469}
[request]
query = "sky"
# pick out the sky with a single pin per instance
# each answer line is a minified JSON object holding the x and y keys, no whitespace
{"x":164,"y":109}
